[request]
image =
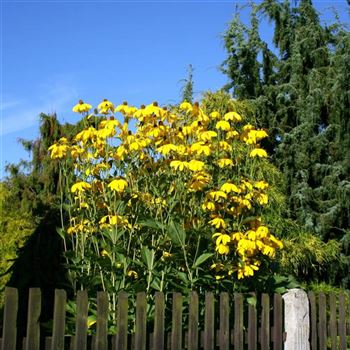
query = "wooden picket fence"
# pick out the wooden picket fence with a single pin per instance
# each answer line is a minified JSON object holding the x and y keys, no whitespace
{"x":329,"y":321}
{"x":226,"y":323}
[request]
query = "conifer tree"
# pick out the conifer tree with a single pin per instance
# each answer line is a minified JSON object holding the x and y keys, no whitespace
{"x":300,"y":86}
{"x":187,"y":89}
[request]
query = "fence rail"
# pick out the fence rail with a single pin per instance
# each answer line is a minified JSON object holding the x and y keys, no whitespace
{"x":223,"y":322}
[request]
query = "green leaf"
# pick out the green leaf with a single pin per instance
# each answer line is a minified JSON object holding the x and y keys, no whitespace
{"x":183,"y":277}
{"x":280,"y":290}
{"x":152,"y":224}
{"x":251,"y":301}
{"x":280,"y":279}
{"x":156,"y":284}
{"x":147,"y":256}
{"x":176,"y":233}
{"x":200,"y":260}
{"x":61,"y":232}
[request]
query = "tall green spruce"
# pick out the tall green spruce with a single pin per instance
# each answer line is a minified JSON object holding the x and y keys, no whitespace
{"x":300,"y":87}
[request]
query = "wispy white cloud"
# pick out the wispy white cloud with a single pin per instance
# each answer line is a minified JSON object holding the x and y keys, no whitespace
{"x":19,"y":114}
{"x":8,"y":103}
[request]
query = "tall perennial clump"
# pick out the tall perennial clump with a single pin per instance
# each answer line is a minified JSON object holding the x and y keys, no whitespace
{"x":163,"y":199}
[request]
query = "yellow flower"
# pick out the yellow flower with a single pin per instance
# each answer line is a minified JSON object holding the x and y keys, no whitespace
{"x":258,"y":152}
{"x":105,"y":132}
{"x":76,"y":151}
{"x":225,"y":162}
{"x":113,"y":220}
{"x":81,"y":107}
{"x":261,"y":134}
{"x":225,"y":146}
{"x":195,"y":165}
{"x":166,"y":255}
{"x":200,"y":148}
{"x":262,"y":231}
{"x":58,"y":151}
{"x":247,"y":270}
{"x":251,"y":234}
{"x":154,"y":109}
{"x":106,"y":106}
{"x":86,"y":134}
{"x":276,"y":242}
{"x":248,"y":127}
{"x":223,"y":125}
{"x":218,"y":222}
{"x":133,"y":274}
{"x":222,"y":249}
{"x":187,"y":130}
{"x":222,"y":238}
{"x":217,"y":195}
{"x":261,"y":185}
{"x":109,"y":124}
{"x":262,"y":198}
{"x":217,"y":266}
{"x":80,"y":187}
{"x":246,"y":246}
{"x":232,"y":116}
{"x":268,"y":250}
{"x":118,"y":185}
{"x":166,"y":149}
{"x":245,"y":203}
{"x":208,"y":206}
{"x":185,"y":106}
{"x":128,"y":110}
{"x":254,"y":136}
{"x":207,"y":135}
{"x":236,"y":236}
{"x":229,"y":187}
{"x":104,"y":253}
{"x":217,"y":277}
{"x":246,"y":185}
{"x":231,"y":134}
{"x":214,"y":115}
{"x":179,"y":165}
{"x":121,"y":152}
{"x":181,"y":150}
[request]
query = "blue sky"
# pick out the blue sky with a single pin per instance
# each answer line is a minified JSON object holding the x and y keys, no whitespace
{"x":55,"y":52}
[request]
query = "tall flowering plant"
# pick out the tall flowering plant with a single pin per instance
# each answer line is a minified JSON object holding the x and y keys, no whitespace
{"x":164,"y":199}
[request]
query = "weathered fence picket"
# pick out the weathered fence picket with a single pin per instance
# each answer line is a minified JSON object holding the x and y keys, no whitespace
{"x":342,"y":322}
{"x":252,"y":327}
{"x":224,"y":332}
{"x":80,"y":341}
{"x":217,"y":322}
{"x":313,"y":320}
{"x":122,"y":322}
{"x":277,"y":335}
{"x":176,"y":332}
{"x":265,"y":322}
{"x":101,"y":321}
{"x":238,"y":335}
{"x":10,"y":317}
{"x":140,"y":322}
{"x":322,"y":323}
{"x":33,"y":326}
{"x":159,"y":314}
{"x":192,"y":342}
{"x":59,"y":319}
{"x":209,"y":332}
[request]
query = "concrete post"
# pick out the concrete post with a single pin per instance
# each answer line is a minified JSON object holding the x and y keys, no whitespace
{"x":296,"y":320}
